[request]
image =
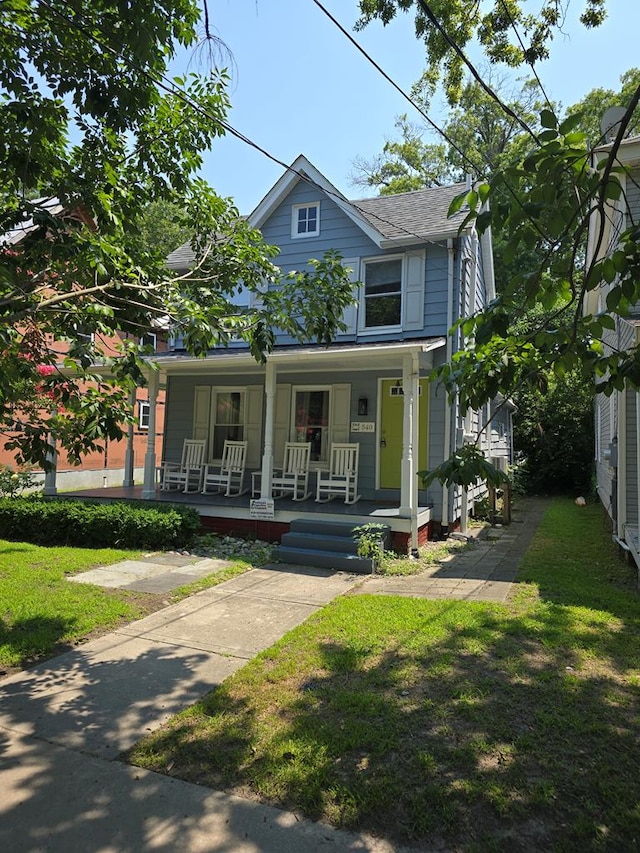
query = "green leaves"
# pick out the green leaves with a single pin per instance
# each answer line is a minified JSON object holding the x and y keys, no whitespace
{"x":465,"y":467}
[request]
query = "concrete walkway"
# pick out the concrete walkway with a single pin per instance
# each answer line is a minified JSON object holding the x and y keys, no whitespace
{"x":482,"y":572}
{"x":64,"y":722}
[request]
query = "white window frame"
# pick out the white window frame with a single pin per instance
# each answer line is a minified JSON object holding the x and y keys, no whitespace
{"x":295,"y":390}
{"x":153,"y":342}
{"x":295,"y":233}
{"x":362,"y":313}
{"x":144,"y":412}
{"x":215,"y":392}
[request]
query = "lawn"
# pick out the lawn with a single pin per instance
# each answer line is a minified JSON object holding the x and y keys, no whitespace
{"x":471,"y":726}
{"x":41,"y":612}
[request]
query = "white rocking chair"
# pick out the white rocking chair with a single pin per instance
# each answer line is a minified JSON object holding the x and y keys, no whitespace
{"x":186,"y":474}
{"x":230,"y":473}
{"x":342,"y":476}
{"x":293,"y":477}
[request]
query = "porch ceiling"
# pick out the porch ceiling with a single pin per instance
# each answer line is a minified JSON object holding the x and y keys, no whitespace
{"x":336,"y":357}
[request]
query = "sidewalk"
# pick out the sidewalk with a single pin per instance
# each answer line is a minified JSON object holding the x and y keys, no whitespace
{"x":64,"y":722}
{"x":482,"y":572}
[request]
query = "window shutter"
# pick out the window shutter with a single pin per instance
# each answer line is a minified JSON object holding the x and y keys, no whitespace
{"x":413,"y":297}
{"x":282,"y":424}
{"x":202,"y":412}
{"x":340,"y":412}
{"x":350,"y":315}
{"x":253,"y":424}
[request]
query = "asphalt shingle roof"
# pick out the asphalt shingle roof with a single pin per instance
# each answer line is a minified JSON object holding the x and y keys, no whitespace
{"x":421,"y":213}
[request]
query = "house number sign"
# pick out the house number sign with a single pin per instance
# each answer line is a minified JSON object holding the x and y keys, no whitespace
{"x":363,"y":426}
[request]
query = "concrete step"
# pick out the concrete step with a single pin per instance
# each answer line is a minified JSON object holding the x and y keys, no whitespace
{"x":337,"y":560}
{"x":319,"y":542}
{"x":325,"y":527}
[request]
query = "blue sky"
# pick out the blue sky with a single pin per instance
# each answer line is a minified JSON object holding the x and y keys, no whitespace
{"x":300,"y":87}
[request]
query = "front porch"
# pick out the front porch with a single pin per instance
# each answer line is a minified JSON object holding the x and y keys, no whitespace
{"x":223,"y":515}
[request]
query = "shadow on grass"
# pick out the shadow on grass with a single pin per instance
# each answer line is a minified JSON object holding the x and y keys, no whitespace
{"x":27,"y":639}
{"x":469,"y":726}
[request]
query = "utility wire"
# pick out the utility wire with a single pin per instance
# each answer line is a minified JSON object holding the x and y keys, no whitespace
{"x":408,"y":98}
{"x":475,"y":73}
{"x":168,"y":86}
{"x":524,"y":53}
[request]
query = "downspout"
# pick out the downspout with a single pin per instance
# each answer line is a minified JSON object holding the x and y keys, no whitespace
{"x":448,"y":405}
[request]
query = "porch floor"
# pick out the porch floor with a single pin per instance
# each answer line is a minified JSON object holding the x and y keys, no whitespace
{"x":286,"y":509}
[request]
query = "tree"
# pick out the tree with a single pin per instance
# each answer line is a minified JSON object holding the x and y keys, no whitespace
{"x":93,"y":132}
{"x":542,"y":203}
{"x":448,"y":26}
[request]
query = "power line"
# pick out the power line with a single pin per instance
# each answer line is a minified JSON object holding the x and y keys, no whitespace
{"x":168,"y":86}
{"x":408,"y":98}
{"x":475,"y":73}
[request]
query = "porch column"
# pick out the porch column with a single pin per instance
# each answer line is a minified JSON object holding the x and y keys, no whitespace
{"x":149,"y":484}
{"x":408,"y":484}
{"x":50,"y":489}
{"x":270,"y":379}
{"x":129,"y":461}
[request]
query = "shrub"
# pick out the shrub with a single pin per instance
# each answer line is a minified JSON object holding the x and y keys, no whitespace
{"x":13,"y":483}
{"x":93,"y":524}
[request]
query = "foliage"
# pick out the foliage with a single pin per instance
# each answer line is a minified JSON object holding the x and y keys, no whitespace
{"x":370,"y":539}
{"x":448,"y":26}
{"x":14,"y":482}
{"x":98,"y":525}
{"x":95,"y":141}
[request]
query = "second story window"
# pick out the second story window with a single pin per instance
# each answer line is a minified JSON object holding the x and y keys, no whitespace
{"x":143,"y":414}
{"x":383,"y":293}
{"x":305,"y":220}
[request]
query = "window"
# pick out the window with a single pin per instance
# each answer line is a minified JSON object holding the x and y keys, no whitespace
{"x":143,"y":414}
{"x":305,"y":220}
{"x":149,"y":340}
{"x":228,"y":420}
{"x":311,"y":421}
{"x":382,"y":293}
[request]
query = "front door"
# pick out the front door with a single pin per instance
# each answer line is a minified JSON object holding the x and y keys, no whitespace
{"x":391,"y":419}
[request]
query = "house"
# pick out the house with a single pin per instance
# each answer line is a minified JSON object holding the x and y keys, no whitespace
{"x":617,"y":417}
{"x":414,"y":275}
{"x":117,"y":463}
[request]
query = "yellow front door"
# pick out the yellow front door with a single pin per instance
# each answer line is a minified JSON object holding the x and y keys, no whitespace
{"x":391,"y":418}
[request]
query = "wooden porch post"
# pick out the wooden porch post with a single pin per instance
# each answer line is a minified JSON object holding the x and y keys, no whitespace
{"x":149,"y":484}
{"x":129,"y":461}
{"x":408,"y":484}
{"x":270,"y":380}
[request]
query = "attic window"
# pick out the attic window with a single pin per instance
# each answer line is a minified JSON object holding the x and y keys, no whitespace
{"x":305,"y":220}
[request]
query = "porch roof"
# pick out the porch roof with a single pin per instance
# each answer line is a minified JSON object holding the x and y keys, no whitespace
{"x":335,"y":356}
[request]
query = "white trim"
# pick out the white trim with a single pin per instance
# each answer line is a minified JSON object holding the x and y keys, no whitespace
{"x":144,"y":413}
{"x":292,"y":419}
{"x":286,"y":183}
{"x":295,"y":209}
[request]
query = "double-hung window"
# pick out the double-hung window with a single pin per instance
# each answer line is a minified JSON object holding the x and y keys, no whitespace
{"x":228,"y":419}
{"x":382,"y":285}
{"x":311,"y":420}
{"x":305,"y":220}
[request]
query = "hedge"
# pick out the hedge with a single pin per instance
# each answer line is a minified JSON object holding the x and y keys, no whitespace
{"x":94,"y":524}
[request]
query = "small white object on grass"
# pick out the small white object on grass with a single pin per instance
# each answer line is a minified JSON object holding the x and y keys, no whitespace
{"x":580,"y":502}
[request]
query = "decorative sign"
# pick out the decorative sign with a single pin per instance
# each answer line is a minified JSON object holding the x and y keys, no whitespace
{"x":363,"y":426}
{"x":262,"y":508}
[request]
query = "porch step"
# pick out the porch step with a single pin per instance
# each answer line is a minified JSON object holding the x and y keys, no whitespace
{"x":327,"y":544}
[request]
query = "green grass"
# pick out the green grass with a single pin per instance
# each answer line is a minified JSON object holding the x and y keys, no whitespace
{"x":474,"y":726}
{"x":40,"y":611}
